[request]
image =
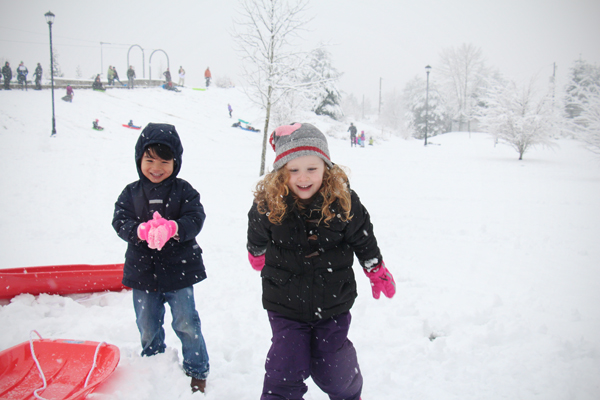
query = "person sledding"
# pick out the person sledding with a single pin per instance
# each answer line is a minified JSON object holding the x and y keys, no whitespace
{"x":70,"y":94}
{"x":96,"y":126}
{"x":97,"y":85}
{"x":169,"y":86}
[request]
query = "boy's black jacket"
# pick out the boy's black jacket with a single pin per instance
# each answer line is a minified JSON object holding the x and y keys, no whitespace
{"x":308,"y":265}
{"x":179,"y":264}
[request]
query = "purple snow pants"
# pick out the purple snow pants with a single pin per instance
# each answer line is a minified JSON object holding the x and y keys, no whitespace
{"x":319,"y":349}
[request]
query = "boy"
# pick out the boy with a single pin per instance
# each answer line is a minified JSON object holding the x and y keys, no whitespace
{"x":159,"y":217}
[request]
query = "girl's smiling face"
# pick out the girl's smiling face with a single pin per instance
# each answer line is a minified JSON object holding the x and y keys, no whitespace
{"x":305,"y":176}
{"x":155,"y":168}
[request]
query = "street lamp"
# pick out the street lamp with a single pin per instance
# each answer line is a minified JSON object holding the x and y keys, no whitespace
{"x":427,"y":69}
{"x":50,"y":20}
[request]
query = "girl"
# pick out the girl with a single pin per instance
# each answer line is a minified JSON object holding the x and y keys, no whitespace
{"x":304,"y":228}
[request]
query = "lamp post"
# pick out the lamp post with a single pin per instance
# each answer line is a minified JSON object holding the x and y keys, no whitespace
{"x":50,"y":20}
{"x":427,"y":69}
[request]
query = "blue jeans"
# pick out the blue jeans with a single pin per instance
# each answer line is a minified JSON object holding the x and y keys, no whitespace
{"x":150,"y":311}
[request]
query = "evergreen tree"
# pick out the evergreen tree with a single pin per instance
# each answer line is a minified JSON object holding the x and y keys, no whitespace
{"x":584,"y":79}
{"x":57,"y":70}
{"x":417,"y":108}
{"x":321,"y":79}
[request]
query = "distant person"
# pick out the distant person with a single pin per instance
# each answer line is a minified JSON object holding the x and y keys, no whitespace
{"x":371,"y":141}
{"x":96,"y":126}
{"x":181,"y":76}
{"x":362,"y":138}
{"x":38,"y":77}
{"x":97,"y":83}
{"x":116,"y":76}
{"x":352,"y":130}
{"x":229,"y":109}
{"x":7,"y":75}
{"x":163,"y":260}
{"x":130,"y":77}
{"x":167,"y":75}
{"x":110,"y":76}
{"x":207,"y":76}
{"x":70,"y":94}
{"x":22,"y":73}
{"x":170,"y":86}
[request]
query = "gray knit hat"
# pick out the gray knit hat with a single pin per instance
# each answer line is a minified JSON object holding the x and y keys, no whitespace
{"x":297,"y":140}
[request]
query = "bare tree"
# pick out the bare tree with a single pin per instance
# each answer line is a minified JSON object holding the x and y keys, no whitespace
{"x":519,"y":116}
{"x":463,"y":70}
{"x":264,"y":33}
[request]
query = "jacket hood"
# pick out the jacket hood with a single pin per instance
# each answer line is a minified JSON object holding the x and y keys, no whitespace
{"x":164,"y":134}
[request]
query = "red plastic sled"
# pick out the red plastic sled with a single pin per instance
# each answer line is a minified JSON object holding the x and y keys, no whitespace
{"x":66,"y":364}
{"x":132,"y":126}
{"x":61,"y":279}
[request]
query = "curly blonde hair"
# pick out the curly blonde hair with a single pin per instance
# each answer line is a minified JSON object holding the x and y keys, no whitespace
{"x":271,"y":193}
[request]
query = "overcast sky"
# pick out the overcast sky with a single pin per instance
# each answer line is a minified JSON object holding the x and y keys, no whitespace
{"x":389,"y":39}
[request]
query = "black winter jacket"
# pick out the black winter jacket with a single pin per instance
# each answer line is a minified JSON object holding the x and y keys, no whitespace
{"x":7,"y":72}
{"x":308,"y":265}
{"x":179,"y":264}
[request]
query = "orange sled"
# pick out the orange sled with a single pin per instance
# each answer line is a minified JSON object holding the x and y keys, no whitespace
{"x":71,"y":369}
{"x":61,"y":279}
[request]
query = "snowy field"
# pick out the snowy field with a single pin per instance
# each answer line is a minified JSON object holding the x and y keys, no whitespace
{"x":496,"y":260}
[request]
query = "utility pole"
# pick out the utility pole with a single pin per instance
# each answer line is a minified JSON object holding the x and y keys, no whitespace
{"x":363,"y":107}
{"x":380,"y":79}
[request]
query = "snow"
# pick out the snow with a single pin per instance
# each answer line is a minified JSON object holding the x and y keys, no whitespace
{"x":496,"y":260}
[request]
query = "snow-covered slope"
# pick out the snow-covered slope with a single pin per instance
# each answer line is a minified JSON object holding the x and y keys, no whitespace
{"x":496,"y":260}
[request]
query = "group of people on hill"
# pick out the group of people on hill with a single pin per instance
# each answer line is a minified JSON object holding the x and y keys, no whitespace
{"x":22,"y":73}
{"x":305,"y":227}
{"x":358,"y":140}
{"x":181,"y":73}
{"x":113,"y":76}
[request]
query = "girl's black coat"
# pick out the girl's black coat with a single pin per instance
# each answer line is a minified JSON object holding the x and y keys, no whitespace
{"x":179,"y":264}
{"x":308,"y":265}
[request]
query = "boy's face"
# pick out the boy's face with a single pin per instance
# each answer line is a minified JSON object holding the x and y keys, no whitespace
{"x":155,"y":168}
{"x":306,"y":175}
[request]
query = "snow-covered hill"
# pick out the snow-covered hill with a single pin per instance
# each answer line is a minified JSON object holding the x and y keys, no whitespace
{"x":497,"y":260}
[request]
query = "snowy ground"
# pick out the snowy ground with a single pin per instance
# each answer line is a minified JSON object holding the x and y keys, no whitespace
{"x":497,"y":259}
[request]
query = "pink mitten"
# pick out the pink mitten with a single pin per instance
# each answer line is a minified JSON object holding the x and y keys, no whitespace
{"x":157,"y":231}
{"x":143,"y":230}
{"x":381,"y":281}
{"x":257,"y":262}
{"x":158,"y":236}
{"x":145,"y":227}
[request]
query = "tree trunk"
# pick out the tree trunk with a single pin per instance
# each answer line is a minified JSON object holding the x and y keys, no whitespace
{"x":266,"y":132}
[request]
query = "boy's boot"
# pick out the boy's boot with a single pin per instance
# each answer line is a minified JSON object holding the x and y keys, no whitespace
{"x":198,"y":385}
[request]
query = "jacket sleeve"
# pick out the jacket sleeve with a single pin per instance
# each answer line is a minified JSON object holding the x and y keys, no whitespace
{"x":124,"y":220}
{"x":192,"y":215}
{"x":258,"y":235}
{"x":359,"y":234}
